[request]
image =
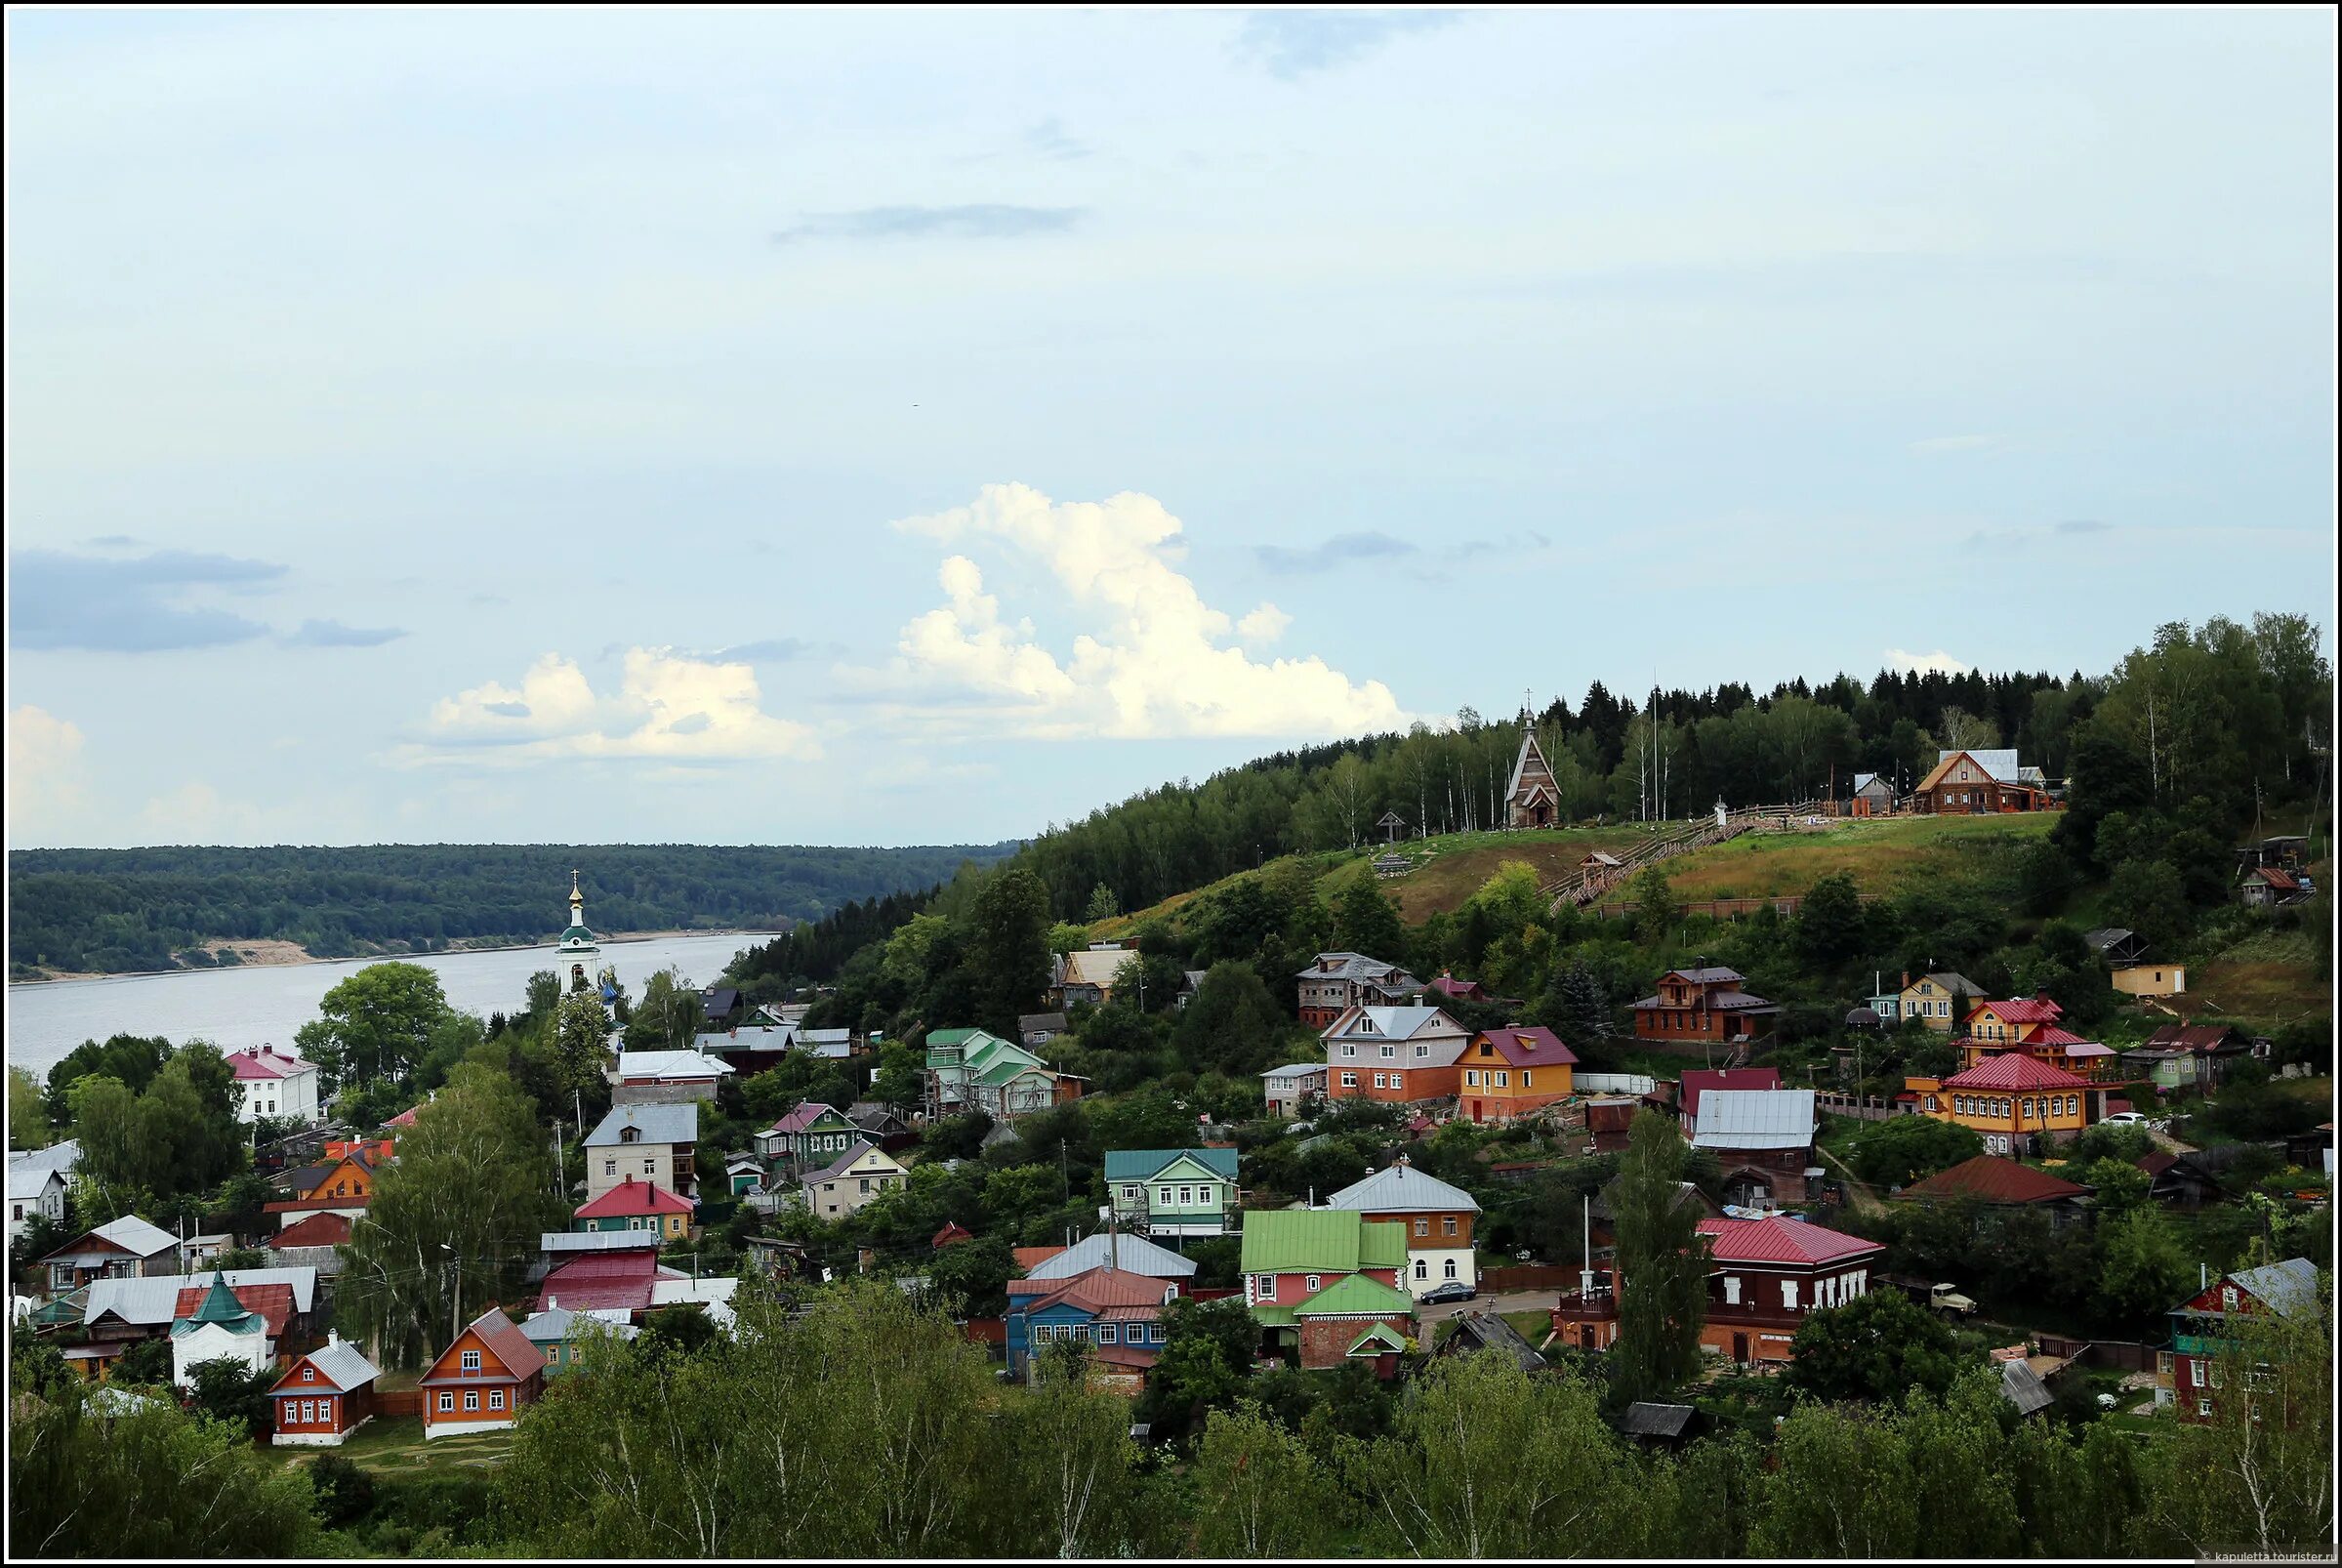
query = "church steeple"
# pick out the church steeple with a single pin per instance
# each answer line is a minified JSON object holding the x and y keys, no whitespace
{"x":577,"y":949}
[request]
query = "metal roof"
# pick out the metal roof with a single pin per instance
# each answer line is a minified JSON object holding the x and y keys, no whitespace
{"x":2000,"y":763}
{"x":1645,"y":1419}
{"x":340,"y":1363}
{"x":1133,"y":1253}
{"x":657,"y":1124}
{"x":672,"y":1065}
{"x":58,"y":1157}
{"x":596,"y":1240}
{"x":1401,"y":1188}
{"x":2023,"y":1387}
{"x":1354,"y":1294}
{"x":150,"y":1301}
{"x":1324,"y":1241}
{"x":1781,"y":1239}
{"x":1096,"y":965}
{"x":24,"y":1183}
{"x":1140,"y":1165}
{"x":2286,"y":1287}
{"x":1299,"y":1069}
{"x":1756,"y":1119}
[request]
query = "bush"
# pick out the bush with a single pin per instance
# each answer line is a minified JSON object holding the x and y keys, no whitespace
{"x":344,"y":1490}
{"x":1900,"y":1151}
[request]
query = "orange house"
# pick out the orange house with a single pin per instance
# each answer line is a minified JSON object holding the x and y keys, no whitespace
{"x":2030,"y":1024}
{"x":1511,"y":1072}
{"x":480,"y":1382}
{"x":2018,"y":1105}
{"x":352,"y":1175}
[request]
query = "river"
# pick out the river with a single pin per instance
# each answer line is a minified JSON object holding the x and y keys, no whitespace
{"x":264,"y":1004}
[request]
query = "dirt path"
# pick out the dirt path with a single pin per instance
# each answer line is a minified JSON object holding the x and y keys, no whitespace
{"x":1857,"y":1191}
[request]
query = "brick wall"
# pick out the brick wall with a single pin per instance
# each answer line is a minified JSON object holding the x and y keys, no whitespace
{"x":1325,"y":1341}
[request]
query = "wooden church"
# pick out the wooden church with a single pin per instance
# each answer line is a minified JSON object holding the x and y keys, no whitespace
{"x":1532,"y":799}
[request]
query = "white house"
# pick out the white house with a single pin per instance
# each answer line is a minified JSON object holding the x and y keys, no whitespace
{"x":852,"y":1180}
{"x":221,"y":1328}
{"x":1439,"y":1221}
{"x":35,"y":1186}
{"x":276,"y":1084}
{"x":654,"y":1143}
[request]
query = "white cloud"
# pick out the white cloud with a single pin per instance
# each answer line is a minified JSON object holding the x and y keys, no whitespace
{"x":668,"y":706}
{"x":1910,"y":663}
{"x":46,"y":779}
{"x":1151,"y":662}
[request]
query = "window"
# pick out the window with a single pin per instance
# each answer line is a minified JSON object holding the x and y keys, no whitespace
{"x":471,"y":1399}
{"x":1471,"y":1077}
{"x":1524,"y":1078}
{"x":447,"y":1400}
{"x":650,"y":1168}
{"x":1129,"y":1194}
{"x":308,"y":1373}
{"x":1450,"y":1222}
{"x":2227,"y":1298}
{"x":1423,"y":1228}
{"x":1155,"y":1333}
{"x":1186,"y":1197}
{"x":1788,"y":1294}
{"x":1108,"y":1334}
{"x":1450,"y":1268}
{"x":1388,"y":1052}
{"x":1268,"y":1287}
{"x":1349,"y":1080}
{"x":1732,"y":1290}
{"x":496,"y":1399}
{"x":1349,"y":1050}
{"x":2196,"y":1372}
{"x":863,"y":1185}
{"x":2204,"y":1407}
{"x":1422,"y":1270}
{"x":1379,"y":1081}
{"x":609,"y":1168}
{"x":1422,"y":1052}
{"x":472,"y":1361}
{"x":1310,"y":1282}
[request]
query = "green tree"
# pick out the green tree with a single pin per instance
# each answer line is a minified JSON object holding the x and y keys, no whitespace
{"x":27,"y":1111}
{"x":1232,"y":1022}
{"x":1829,"y":928}
{"x":154,"y":1483}
{"x":1901,"y":1149}
{"x":1662,"y":1265}
{"x":1878,"y":1347}
{"x":667,"y":1017}
{"x":1102,"y":905}
{"x":2117,"y":1186}
{"x":581,"y":1041}
{"x":1366,"y":922}
{"x":1061,"y":1484}
{"x":454,"y":1221}
{"x":376,"y":1024}
{"x":1656,"y":910}
{"x":544,"y":993}
{"x":227,"y":1389}
{"x":1009,"y":955}
{"x":1262,"y":1490}
{"x":2142,"y":1267}
{"x":1206,"y":1354}
{"x":2145,"y":895}
{"x":1577,"y":1008}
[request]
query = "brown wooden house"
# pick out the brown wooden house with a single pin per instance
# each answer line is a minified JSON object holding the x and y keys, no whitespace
{"x":1965,"y":783}
{"x":1702,"y":1005}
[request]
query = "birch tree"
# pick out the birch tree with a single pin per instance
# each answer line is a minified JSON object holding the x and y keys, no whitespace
{"x":1262,"y":1490}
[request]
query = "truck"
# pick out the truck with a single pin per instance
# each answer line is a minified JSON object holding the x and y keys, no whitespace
{"x":1948,"y":1299}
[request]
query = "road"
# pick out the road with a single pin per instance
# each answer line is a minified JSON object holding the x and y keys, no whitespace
{"x":1500,"y":1303}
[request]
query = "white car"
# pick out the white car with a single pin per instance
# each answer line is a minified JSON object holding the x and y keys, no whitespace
{"x":2126,"y":1119}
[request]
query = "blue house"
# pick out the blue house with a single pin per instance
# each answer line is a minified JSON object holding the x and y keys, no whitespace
{"x":1118,"y":1314}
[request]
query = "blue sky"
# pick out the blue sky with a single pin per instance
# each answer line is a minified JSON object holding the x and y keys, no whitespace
{"x":848,"y":427}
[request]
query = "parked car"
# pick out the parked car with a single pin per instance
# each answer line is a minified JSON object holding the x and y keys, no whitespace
{"x":1455,"y":1290}
{"x":2126,"y":1119}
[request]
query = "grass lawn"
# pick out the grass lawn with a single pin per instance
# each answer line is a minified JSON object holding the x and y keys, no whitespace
{"x":2269,"y":979}
{"x":1459,"y":863}
{"x":397,"y":1444}
{"x":1530,"y":1326}
{"x":1881,"y":854}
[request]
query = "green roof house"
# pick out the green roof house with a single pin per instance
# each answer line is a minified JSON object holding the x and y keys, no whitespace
{"x":1173,"y":1193}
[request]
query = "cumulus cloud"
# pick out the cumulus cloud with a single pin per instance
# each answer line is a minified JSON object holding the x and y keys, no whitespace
{"x":1151,"y":662}
{"x":1908,"y":663}
{"x":331,"y":633}
{"x":129,"y":606}
{"x":975,"y":221}
{"x":1265,"y":625}
{"x":669,"y":706}
{"x":1290,"y":44}
{"x":46,"y":779}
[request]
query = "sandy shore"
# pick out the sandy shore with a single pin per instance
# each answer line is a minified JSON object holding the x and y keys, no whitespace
{"x":265,"y":954}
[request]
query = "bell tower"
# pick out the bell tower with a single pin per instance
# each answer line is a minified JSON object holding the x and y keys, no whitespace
{"x":580,"y":957}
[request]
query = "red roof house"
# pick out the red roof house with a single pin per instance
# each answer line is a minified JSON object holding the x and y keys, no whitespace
{"x":1764,"y":1276}
{"x":273,"y":1302}
{"x":952,"y":1234}
{"x":602,"y":1282}
{"x":326,"y":1228}
{"x":634,"y":1205}
{"x":2005,"y":1183}
{"x":1698,"y":1080}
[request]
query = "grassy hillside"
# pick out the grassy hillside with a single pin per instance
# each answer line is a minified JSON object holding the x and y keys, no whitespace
{"x":1881,"y":854}
{"x":2268,"y":980}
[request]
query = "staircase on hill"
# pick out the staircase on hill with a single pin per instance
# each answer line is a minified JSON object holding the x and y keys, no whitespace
{"x":1582,"y":888}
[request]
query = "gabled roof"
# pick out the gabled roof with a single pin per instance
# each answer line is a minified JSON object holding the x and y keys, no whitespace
{"x":1355,"y":1296}
{"x":656,"y":1123}
{"x":718,"y":1000}
{"x":153,"y":1301}
{"x":1351,"y":966}
{"x":325,"y":1229}
{"x":129,"y":1234}
{"x":1527,"y":1048}
{"x":1475,"y":1332}
{"x":25,"y":1182}
{"x":1645,"y":1419}
{"x":1520,"y":764}
{"x":673,"y":1065}
{"x":1132,"y":1254}
{"x":2021,"y":1010}
{"x":1037,"y":1022}
{"x":1998,"y":765}
{"x":58,"y":1157}
{"x":1780,"y":1239}
{"x":1391,"y":1023}
{"x":1989,"y":1178}
{"x":1377,"y":1340}
{"x":1097,"y":1292}
{"x":250,"y":1064}
{"x":807,"y":1112}
{"x":1027,"y":1258}
{"x":1293,"y":1070}
{"x":1756,"y":1119}
{"x":1141,"y":1165}
{"x":631,"y":1198}
{"x":1319,"y":1241}
{"x":1096,"y":965}
{"x":2014,"y":1070}
{"x":504,"y":1339}
{"x":343,"y":1366}
{"x":611,"y":1279}
{"x":1947,"y":980}
{"x":1401,"y":1188}
{"x":2023,"y":1387}
{"x":553,"y":1325}
{"x":2199,"y":1038}
{"x":1711,"y":975}
{"x":847,"y":1161}
{"x":2286,"y":1287}
{"x":1697,"y":1081}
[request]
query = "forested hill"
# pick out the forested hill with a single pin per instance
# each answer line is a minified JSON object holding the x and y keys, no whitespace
{"x":117,"y":910}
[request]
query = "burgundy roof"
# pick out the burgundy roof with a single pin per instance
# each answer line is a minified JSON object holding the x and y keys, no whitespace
{"x":807,"y":1112}
{"x":2155,"y":1164}
{"x":2282,"y":880}
{"x":1697,"y":1079}
{"x":248,"y":1063}
{"x":2192,"y":1037}
{"x":1123,"y":1355}
{"x":1448,"y":986}
{"x":504,"y":1338}
{"x":1528,"y":1048}
{"x":2014,"y":1070}
{"x":1779,"y":1240}
{"x":952,"y":1231}
{"x":631,"y":1197}
{"x":273,"y":1302}
{"x":322,"y":1230}
{"x":1995,"y":1181}
{"x":601,"y":1281}
{"x":2054,"y":1036}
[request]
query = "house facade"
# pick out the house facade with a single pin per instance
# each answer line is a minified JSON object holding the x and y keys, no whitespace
{"x":2202,"y":1335}
{"x":2003,"y":1184}
{"x":1507,"y":1073}
{"x":1098,"y":1308}
{"x":1356,"y":1318}
{"x":1286,"y":1089}
{"x":970,"y":1069}
{"x":843,"y":1187}
{"x":1436,"y":1218}
{"x":1764,"y":1277}
{"x":1398,"y":1054}
{"x":1336,"y":982}
{"x":2216,"y":1048}
{"x":1696,"y":1081}
{"x":1091,"y":974}
{"x":1932,"y":998}
{"x":1702,"y":1005}
{"x":1970,"y":783}
{"x":2030,"y":1024}
{"x":34,"y":1192}
{"x":323,"y":1396}
{"x":657,"y":1144}
{"x":128,"y":1248}
{"x":1173,"y":1193}
{"x":221,"y":1323}
{"x":481,"y":1381}
{"x":1763,"y":1138}
{"x":1291,"y":1254}
{"x":564,"y":1337}
{"x":634,"y":1205}
{"x":275,"y":1084}
{"x":2018,"y":1104}
{"x":812,"y":1135}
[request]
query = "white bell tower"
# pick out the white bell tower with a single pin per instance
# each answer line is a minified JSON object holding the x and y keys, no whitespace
{"x":580,"y":957}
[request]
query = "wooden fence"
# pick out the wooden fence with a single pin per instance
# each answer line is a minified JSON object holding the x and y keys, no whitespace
{"x":1718,"y":908}
{"x":2127,"y":1355}
{"x":402,"y":1402}
{"x":1862,"y":1109}
{"x":1528,"y":1277}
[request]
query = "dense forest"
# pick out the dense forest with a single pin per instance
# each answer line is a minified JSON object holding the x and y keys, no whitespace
{"x":2211,"y":729}
{"x":116,"y":910}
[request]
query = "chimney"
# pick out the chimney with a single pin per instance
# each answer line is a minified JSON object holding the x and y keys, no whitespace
{"x":1907,"y":980}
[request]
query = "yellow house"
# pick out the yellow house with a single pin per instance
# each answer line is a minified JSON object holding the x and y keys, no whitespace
{"x":1931,"y":998}
{"x":2018,"y":1104}
{"x":2151,"y":980}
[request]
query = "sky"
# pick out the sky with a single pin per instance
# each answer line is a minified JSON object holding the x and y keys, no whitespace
{"x":817,"y":427}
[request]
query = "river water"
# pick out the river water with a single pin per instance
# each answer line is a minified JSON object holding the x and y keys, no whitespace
{"x":264,"y":1004}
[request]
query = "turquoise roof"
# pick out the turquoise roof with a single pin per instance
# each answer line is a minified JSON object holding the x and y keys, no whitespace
{"x":577,"y":934}
{"x":1140,"y":1165}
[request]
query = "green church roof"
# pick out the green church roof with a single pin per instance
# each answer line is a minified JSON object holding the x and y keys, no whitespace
{"x":577,"y":934}
{"x":219,"y":1305}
